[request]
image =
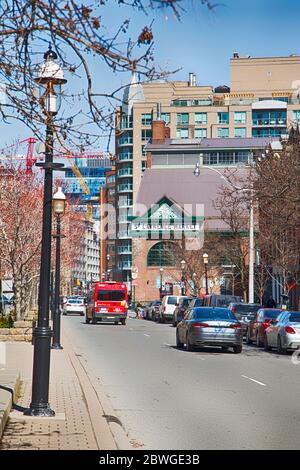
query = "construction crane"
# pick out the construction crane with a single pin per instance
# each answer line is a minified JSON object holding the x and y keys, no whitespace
{"x":31,"y":159}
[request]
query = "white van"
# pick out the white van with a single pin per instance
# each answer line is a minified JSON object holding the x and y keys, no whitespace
{"x":167,"y":307}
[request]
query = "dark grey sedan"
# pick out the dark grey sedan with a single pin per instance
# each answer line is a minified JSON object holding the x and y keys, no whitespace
{"x":209,"y":326}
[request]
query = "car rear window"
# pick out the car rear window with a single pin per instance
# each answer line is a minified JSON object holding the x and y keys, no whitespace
{"x":272,"y":314}
{"x":111,"y":295}
{"x":246,"y":308}
{"x":295,"y":318}
{"x":75,"y":301}
{"x":207,"y":314}
{"x":172,"y":300}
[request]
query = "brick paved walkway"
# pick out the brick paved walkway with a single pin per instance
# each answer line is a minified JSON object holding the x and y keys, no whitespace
{"x":71,"y":429}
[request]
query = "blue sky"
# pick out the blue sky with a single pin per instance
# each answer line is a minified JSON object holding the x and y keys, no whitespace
{"x":202,"y":42}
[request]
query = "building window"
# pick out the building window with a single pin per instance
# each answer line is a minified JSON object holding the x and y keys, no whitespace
{"x":240,"y":132}
{"x":296,"y":115}
{"x":200,"y":118}
{"x":182,"y":118}
{"x":200,"y":133}
{"x":240,"y":117}
{"x":269,"y":118}
{"x":147,"y":119}
{"x":182,"y":133}
{"x":161,"y":254}
{"x":146,"y":135}
{"x":269,"y":132}
{"x":166,"y":117}
{"x":223,"y":132}
{"x":144,"y":165}
{"x":223,"y":118}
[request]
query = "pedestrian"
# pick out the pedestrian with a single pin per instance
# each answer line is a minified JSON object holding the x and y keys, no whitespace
{"x":271,"y":303}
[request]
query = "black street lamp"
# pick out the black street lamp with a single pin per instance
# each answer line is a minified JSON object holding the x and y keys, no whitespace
{"x":183,"y":263}
{"x":205,"y":261}
{"x":161,"y":271}
{"x":50,"y":78}
{"x":59,"y":205}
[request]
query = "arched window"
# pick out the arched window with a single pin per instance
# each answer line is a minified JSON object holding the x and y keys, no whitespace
{"x":161,"y":254}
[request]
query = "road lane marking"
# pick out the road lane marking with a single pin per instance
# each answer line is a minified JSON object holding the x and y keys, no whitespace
{"x":146,"y":335}
{"x":253,"y":380}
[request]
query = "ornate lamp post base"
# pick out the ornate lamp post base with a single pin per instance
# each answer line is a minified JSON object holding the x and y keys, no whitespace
{"x":44,"y":412}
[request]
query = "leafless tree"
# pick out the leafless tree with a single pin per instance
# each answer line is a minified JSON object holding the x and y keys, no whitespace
{"x":82,"y":42}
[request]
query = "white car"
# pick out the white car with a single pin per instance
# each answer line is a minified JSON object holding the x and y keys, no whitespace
{"x":74,"y":305}
{"x":168,"y":305}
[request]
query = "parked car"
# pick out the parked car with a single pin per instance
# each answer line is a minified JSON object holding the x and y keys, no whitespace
{"x":220,"y":300}
{"x":180,"y":309}
{"x":258,"y":325}
{"x":244,"y":313}
{"x":167,"y":307}
{"x":74,"y":305}
{"x":207,"y":326}
{"x":283,"y":333}
{"x":154,"y":310}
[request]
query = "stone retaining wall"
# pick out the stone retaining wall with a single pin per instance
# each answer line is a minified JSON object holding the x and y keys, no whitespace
{"x":22,"y":331}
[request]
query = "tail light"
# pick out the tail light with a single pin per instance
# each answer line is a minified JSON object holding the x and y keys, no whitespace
{"x":235,"y":326}
{"x":290,"y":330}
{"x":266,"y":323}
{"x":201,"y":325}
{"x":232,"y":309}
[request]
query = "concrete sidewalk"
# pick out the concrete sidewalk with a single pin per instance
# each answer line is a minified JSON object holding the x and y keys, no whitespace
{"x":80,"y":422}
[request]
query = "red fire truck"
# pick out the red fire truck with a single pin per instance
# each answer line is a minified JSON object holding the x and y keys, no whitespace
{"x":107,"y":301}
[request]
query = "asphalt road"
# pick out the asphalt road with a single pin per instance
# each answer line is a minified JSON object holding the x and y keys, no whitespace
{"x":171,"y":399}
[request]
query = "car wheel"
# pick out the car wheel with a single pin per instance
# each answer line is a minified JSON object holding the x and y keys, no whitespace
{"x":237,"y":348}
{"x":94,"y":321}
{"x":248,"y":339}
{"x":259,"y":343}
{"x":87,"y":320}
{"x":163,"y":320}
{"x":123,"y":321}
{"x":266,"y":344}
{"x":179,"y":345}
{"x":189,"y":346}
{"x":280,"y":349}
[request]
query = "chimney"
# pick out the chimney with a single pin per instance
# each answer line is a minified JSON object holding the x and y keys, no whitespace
{"x":192,"y":79}
{"x":160,"y":132}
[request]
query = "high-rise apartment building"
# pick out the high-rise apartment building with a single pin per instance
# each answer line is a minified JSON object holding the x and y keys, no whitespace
{"x":261,"y":101}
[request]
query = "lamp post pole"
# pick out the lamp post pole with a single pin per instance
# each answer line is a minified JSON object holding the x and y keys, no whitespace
{"x":59,"y":201}
{"x":183,"y":263}
{"x":205,"y":261}
{"x":42,"y":334}
{"x":161,"y":270}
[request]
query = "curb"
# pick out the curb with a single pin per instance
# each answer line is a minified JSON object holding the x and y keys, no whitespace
{"x":11,"y":380}
{"x":108,"y":430}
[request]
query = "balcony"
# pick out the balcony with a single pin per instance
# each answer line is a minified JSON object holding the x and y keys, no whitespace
{"x":125,"y":188}
{"x":124,"y":202}
{"x":269,"y":122}
{"x":128,"y":140}
{"x":125,"y":157}
{"x":126,"y":122}
{"x":124,"y":265}
{"x":125,"y":172}
{"x":125,"y":250}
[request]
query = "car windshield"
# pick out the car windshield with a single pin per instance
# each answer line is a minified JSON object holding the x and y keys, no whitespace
{"x":208,"y":314}
{"x":111,"y":295}
{"x":294,"y":318}
{"x":172,"y":300}
{"x":223,"y":301}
